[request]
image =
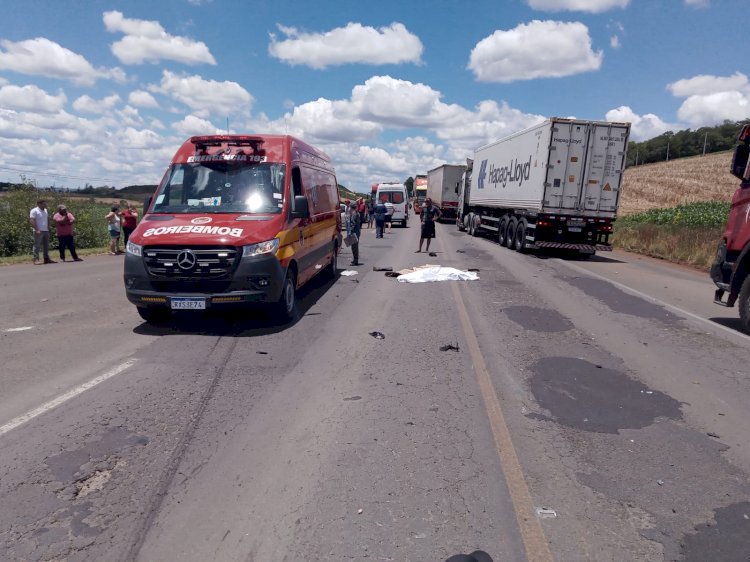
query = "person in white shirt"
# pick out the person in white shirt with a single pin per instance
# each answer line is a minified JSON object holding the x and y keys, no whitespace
{"x":389,"y":214}
{"x":40,"y":223}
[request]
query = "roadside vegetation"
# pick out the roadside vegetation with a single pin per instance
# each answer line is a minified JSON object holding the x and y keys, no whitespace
{"x":15,"y":231}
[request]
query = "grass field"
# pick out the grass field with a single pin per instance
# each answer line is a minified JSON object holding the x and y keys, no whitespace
{"x":664,"y":209}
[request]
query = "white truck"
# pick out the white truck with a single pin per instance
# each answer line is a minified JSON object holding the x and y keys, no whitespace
{"x":554,"y":185}
{"x":442,"y":188}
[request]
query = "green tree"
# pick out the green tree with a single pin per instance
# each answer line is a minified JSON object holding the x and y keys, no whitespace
{"x":409,"y":184}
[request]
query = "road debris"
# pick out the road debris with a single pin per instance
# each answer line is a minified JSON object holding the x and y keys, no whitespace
{"x":712,"y":434}
{"x":660,"y":482}
{"x":360,"y":511}
{"x":460,"y":251}
{"x":377,"y":335}
{"x":428,"y":274}
{"x":433,"y":254}
{"x":376,"y":268}
{"x":349,"y":273}
{"x":392,"y":274}
{"x":545,"y":513}
{"x":449,"y":347}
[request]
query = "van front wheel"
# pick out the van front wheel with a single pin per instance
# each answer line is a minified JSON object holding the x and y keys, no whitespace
{"x":285,"y":308}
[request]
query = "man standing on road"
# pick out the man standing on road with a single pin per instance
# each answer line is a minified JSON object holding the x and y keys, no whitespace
{"x":389,"y":215}
{"x":64,"y":221}
{"x":353,"y":229}
{"x":429,"y":215}
{"x":379,"y":212}
{"x":39,"y":220}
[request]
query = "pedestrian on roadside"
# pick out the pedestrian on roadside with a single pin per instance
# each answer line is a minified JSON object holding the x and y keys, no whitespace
{"x":370,"y":213}
{"x":114,"y":226}
{"x":64,"y":220}
{"x":389,"y":216}
{"x":362,"y":210}
{"x":379,"y":212}
{"x":429,"y":214}
{"x":129,"y":222}
{"x":39,"y":219}
{"x":353,"y":229}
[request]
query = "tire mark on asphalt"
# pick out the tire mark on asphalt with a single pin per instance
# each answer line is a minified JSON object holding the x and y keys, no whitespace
{"x":168,"y":474}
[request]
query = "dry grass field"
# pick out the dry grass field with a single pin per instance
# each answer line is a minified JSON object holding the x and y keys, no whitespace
{"x":685,"y":180}
{"x":667,"y":184}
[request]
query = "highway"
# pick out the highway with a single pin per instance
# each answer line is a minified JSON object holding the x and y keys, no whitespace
{"x":579,"y":410}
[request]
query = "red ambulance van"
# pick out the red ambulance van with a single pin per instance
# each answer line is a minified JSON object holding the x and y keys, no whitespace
{"x":236,"y":220}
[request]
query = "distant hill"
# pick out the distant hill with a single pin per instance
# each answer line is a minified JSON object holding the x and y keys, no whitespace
{"x":679,"y":181}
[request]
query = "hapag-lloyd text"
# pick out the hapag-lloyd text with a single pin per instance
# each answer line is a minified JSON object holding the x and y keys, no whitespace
{"x":514,"y":172}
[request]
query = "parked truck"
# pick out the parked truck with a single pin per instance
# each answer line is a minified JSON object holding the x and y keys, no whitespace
{"x":554,"y":185}
{"x":731,"y":270}
{"x":420,"y":192}
{"x":442,"y":188}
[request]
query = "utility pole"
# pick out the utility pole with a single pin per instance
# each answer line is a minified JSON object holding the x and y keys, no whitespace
{"x":705,"y":137}
{"x":667,"y":151}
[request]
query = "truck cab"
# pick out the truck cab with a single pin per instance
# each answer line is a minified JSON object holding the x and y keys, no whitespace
{"x":731,"y":269}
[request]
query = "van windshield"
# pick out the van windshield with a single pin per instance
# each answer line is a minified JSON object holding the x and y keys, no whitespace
{"x":221,"y":187}
{"x":395,"y":197}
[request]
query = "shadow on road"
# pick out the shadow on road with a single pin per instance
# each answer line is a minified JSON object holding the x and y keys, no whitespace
{"x":245,"y":323}
{"x":731,"y":323}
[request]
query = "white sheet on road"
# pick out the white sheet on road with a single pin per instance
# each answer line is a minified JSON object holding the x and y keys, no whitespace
{"x":437,"y":273}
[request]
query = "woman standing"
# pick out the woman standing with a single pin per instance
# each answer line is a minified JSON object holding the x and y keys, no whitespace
{"x":129,"y":221}
{"x":114,"y":224}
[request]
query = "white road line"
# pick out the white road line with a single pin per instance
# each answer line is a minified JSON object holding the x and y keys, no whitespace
{"x":22,"y":419}
{"x":21,"y":329}
{"x":654,"y":300}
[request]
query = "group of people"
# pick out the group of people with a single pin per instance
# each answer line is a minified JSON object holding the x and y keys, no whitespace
{"x":358,"y":213}
{"x":118,"y":222}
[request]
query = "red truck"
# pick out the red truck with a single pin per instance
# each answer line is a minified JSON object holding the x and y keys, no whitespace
{"x":731,"y":270}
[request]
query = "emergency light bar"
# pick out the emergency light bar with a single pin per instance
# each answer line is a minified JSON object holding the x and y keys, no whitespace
{"x":232,"y":140}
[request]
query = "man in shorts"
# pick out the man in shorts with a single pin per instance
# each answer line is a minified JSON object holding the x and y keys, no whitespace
{"x":429,"y":215}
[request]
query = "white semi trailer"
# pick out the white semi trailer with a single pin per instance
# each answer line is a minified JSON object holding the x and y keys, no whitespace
{"x":554,"y":185}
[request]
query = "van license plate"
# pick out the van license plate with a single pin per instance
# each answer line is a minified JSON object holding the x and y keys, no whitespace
{"x":574,"y":229}
{"x":189,"y":303}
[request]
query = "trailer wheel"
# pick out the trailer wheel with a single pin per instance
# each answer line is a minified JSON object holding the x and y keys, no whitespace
{"x":743,"y":302}
{"x":475,"y":222}
{"x":519,"y":240}
{"x":470,"y":224}
{"x":502,"y":231}
{"x":510,"y":233}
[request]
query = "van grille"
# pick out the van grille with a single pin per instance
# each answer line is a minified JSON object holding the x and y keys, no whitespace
{"x":178,"y":262}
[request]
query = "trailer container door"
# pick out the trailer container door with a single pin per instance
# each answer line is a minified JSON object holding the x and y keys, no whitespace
{"x":604,"y":164}
{"x":566,"y":160}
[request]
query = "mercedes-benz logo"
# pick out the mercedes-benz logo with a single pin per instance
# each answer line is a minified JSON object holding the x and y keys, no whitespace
{"x":186,"y":260}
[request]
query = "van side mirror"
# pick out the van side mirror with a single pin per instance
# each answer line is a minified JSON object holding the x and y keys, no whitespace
{"x":301,"y":208}
{"x":147,"y":203}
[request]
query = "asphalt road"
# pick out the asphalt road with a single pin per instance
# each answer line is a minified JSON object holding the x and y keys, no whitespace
{"x":593,"y":410}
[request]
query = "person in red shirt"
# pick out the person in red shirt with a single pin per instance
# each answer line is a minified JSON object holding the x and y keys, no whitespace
{"x":129,"y":221}
{"x":64,"y":221}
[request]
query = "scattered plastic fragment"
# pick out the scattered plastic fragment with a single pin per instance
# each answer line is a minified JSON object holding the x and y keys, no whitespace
{"x":262,"y":352}
{"x":545,"y":513}
{"x":377,"y":335}
{"x":449,"y":347}
{"x":437,"y":273}
{"x":360,"y":511}
{"x":712,"y":434}
{"x":348,"y":273}
{"x":460,"y":251}
{"x":433,"y":254}
{"x":352,"y":398}
{"x":660,"y":482}
{"x":376,"y":268}
{"x":392,"y":274}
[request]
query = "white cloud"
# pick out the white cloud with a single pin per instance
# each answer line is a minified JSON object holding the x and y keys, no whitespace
{"x":140,"y":98}
{"x":192,"y":125}
{"x":698,"y":3}
{"x":714,"y":108}
{"x":205,"y":97}
{"x":707,"y":84}
{"x":539,"y":49}
{"x":86,"y":104}
{"x":614,"y":42}
{"x":643,"y":127}
{"x":354,"y":43}
{"x":42,"y":57}
{"x":712,"y":99}
{"x":31,"y":98}
{"x":147,"y":41}
{"x":591,"y":6}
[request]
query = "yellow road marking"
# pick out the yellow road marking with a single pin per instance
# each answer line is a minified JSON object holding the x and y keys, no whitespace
{"x":532,"y":534}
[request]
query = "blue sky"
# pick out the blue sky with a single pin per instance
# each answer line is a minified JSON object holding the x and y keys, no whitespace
{"x":105,"y":91}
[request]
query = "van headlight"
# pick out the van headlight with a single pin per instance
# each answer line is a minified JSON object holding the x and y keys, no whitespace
{"x":133,"y":249}
{"x":267,"y":247}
